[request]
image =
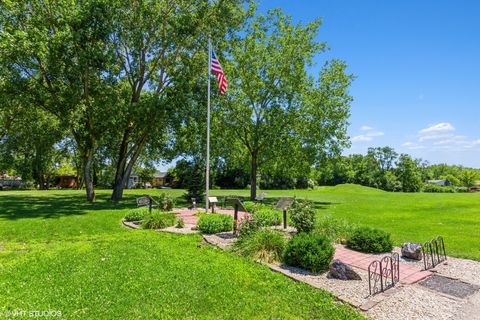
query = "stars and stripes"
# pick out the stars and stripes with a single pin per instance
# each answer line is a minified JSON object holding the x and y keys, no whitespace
{"x":217,"y":69}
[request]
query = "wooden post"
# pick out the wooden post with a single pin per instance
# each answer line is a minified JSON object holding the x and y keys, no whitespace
{"x":213,"y":207}
{"x":235,"y":218}
{"x":150,"y":204}
{"x":284,"y":218}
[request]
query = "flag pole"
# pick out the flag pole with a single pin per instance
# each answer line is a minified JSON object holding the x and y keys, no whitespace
{"x":207,"y":162}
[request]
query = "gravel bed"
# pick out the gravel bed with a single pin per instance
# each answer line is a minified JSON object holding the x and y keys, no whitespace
{"x":414,"y":302}
{"x":222,"y":240}
{"x":355,"y":292}
{"x":187,"y":229}
{"x":463,"y":269}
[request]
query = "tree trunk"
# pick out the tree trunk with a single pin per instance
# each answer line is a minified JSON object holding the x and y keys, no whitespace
{"x":253,"y":177}
{"x":125,"y":166}
{"x":87,"y":177}
{"x":119,"y":184}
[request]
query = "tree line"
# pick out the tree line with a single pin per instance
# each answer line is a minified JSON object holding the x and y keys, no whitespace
{"x":380,"y":167}
{"x":106,"y":87}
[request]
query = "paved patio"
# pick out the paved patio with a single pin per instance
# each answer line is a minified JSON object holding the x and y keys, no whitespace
{"x":409,"y":274}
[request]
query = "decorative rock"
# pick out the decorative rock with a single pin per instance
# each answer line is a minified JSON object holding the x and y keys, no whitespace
{"x":342,"y":271}
{"x":412,"y":251}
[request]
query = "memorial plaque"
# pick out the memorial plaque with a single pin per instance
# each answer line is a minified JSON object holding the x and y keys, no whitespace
{"x":261,"y":196}
{"x":212,"y":199}
{"x":143,"y":202}
{"x":235,"y":201}
{"x":284,"y":203}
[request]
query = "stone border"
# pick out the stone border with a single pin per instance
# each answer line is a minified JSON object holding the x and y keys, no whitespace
{"x":188,"y":229}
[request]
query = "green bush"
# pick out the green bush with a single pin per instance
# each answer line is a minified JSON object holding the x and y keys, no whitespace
{"x":267,"y":217}
{"x":302,"y":215}
{"x":337,"y":230}
{"x":311,"y":252}
{"x":438,"y":189}
{"x":136,"y":214}
{"x":159,"y":220}
{"x":215,"y":223}
{"x":166,"y":202}
{"x":370,"y":240}
{"x":248,"y":226}
{"x":264,"y":245}
{"x":180,"y":223}
{"x":249,"y":206}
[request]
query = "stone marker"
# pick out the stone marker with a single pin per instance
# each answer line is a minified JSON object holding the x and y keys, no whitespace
{"x":342,"y":271}
{"x":412,"y":251}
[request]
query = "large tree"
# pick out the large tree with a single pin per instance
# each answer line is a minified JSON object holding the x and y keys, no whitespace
{"x":161,"y":52}
{"x":281,"y":117}
{"x":57,"y":53}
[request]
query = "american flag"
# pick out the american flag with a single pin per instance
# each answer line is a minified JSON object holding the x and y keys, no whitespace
{"x":217,"y":69}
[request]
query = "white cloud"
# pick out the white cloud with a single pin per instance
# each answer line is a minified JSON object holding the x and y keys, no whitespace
{"x":369,"y":134}
{"x":365,"y":128}
{"x":441,"y":136}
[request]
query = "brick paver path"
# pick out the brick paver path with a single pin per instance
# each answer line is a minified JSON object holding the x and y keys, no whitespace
{"x":409,"y":274}
{"x":189,"y":216}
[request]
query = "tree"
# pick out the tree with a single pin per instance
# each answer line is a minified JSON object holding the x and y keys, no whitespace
{"x":161,"y":51}
{"x":468,"y":177}
{"x":408,"y":174}
{"x":58,"y":54}
{"x":274,"y":111}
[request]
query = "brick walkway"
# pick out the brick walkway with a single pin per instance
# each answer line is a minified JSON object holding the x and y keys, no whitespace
{"x":190,"y":218}
{"x":409,"y":274}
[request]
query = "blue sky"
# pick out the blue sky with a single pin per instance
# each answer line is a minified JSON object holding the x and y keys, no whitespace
{"x":418,"y":72}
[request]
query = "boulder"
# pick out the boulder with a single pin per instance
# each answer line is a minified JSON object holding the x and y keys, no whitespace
{"x":342,"y":271}
{"x":412,"y":251}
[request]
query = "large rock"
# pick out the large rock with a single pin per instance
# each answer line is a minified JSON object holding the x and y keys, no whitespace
{"x":342,"y":271}
{"x":412,"y":251}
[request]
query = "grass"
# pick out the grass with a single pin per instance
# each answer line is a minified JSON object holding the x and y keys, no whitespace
{"x":58,"y":252}
{"x":409,"y":217}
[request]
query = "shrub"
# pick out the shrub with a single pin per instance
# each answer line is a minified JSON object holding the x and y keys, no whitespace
{"x":370,"y":240}
{"x":461,"y":189}
{"x":159,"y":220}
{"x":166,"y":202}
{"x":302,"y":215}
{"x":180,"y":223}
{"x":248,"y":226}
{"x":438,"y":189}
{"x":136,"y":214}
{"x":264,"y":245}
{"x":312,"y":252}
{"x":337,"y":230}
{"x":267,"y":217}
{"x":249,"y":206}
{"x":215,"y":223}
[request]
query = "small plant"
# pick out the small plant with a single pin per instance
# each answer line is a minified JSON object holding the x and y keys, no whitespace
{"x":180,"y":223}
{"x":249,"y":206}
{"x":311,"y":252}
{"x":302,"y":215}
{"x":136,"y":214}
{"x":215,"y":223}
{"x":166,"y":202}
{"x":264,"y":245}
{"x":159,"y":220}
{"x":267,"y":217}
{"x":337,"y":230}
{"x":370,"y":240}
{"x":247,"y":226}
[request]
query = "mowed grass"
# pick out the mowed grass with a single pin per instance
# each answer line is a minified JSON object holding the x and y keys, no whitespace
{"x":58,"y":252}
{"x":409,"y":217}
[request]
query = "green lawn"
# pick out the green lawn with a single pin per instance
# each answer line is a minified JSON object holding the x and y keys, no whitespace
{"x":59,"y":253}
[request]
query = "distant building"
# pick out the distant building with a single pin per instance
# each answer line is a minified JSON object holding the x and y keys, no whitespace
{"x":66,"y":181}
{"x":442,"y":182}
{"x":160,"y":179}
{"x":9,"y":182}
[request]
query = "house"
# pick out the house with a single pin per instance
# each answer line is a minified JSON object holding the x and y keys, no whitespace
{"x":9,"y":182}
{"x":441,"y":183}
{"x":66,"y":181}
{"x":476,"y":187}
{"x":160,"y":179}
